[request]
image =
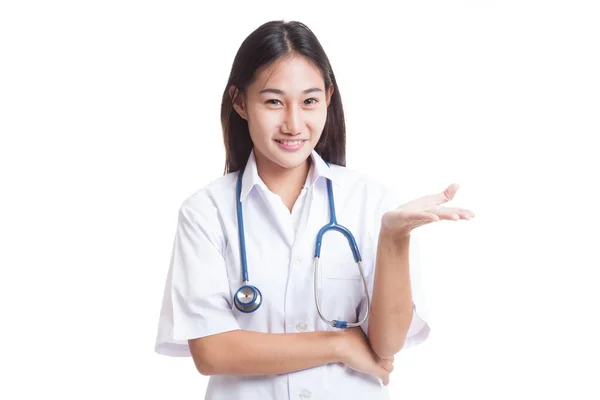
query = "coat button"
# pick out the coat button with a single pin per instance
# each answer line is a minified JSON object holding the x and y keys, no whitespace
{"x":301,"y":326}
{"x":305,"y":394}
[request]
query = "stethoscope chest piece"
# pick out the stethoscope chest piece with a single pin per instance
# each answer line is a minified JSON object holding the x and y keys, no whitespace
{"x":248,"y":299}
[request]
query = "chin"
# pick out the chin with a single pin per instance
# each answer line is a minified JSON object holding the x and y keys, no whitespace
{"x":290,"y":160}
{"x":289,"y":163}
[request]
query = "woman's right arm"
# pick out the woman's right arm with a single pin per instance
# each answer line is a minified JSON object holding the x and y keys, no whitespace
{"x":243,"y":352}
{"x":197,"y":308}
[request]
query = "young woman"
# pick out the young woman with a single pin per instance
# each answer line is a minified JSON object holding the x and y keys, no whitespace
{"x":245,"y":295}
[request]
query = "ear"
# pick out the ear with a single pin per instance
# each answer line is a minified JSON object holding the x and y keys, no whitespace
{"x":329,"y":93}
{"x":238,"y":101}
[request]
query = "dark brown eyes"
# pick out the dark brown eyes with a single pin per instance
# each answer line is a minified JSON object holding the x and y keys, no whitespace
{"x":310,"y":101}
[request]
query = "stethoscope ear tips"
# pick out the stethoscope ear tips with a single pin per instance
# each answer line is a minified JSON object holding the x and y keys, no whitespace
{"x":248,"y":299}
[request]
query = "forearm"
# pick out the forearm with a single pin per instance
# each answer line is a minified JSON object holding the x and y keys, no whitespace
{"x":254,"y":353}
{"x":391,"y":303}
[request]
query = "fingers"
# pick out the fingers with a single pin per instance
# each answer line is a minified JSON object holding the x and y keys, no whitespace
{"x":430,"y":216}
{"x":454,"y":213}
{"x":468,"y":214}
{"x":448,"y":214}
{"x":387,"y":365}
{"x":419,"y":216}
{"x":424,"y":215}
{"x":383,"y":375}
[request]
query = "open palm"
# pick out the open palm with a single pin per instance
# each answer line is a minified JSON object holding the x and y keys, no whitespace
{"x":425,"y":210}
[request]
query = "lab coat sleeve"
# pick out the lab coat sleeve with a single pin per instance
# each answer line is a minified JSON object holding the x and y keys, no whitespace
{"x":419,"y":328}
{"x":196,"y":300}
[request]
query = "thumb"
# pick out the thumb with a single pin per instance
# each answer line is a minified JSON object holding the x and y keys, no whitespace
{"x":448,"y":194}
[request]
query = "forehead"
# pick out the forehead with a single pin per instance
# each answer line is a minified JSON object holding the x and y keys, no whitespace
{"x":290,"y":74}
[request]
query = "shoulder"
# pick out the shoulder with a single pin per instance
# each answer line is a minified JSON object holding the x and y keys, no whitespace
{"x":206,"y":202}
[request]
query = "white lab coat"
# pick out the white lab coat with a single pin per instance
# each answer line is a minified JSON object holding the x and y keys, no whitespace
{"x":205,"y":272}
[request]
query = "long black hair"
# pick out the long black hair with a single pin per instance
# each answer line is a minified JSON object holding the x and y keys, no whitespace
{"x":268,"y":43}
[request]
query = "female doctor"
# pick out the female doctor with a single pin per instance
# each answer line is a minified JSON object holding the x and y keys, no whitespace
{"x":267,"y":301}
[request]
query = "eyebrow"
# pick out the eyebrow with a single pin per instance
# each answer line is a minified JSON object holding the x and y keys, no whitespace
{"x":281,"y":92}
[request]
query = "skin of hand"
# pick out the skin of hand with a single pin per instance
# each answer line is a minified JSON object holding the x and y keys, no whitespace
{"x":357,"y":354}
{"x":401,"y":221}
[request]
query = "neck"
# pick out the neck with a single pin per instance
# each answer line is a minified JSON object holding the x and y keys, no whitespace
{"x":279,"y":180}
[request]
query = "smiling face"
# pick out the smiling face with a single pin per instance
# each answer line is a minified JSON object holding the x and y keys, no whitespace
{"x":286,"y":109}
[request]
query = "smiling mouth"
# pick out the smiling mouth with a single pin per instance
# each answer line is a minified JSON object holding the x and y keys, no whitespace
{"x":291,"y":142}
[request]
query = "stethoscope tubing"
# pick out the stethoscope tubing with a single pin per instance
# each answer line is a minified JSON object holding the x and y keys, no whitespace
{"x":254,"y":295}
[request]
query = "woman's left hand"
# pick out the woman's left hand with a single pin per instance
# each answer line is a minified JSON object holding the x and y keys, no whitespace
{"x":422,"y":211}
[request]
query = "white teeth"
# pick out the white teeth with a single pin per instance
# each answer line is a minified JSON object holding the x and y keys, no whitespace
{"x":290,"y":142}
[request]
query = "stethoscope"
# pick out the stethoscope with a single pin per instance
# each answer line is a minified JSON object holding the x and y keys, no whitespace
{"x":248,"y":298}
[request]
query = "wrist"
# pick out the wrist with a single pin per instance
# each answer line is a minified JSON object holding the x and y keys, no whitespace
{"x":338,"y":345}
{"x":392,"y":236}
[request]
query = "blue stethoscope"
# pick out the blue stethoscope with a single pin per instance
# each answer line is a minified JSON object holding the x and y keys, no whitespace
{"x":248,"y":298}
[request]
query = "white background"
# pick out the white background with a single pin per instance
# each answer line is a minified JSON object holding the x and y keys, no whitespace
{"x":109,"y":116}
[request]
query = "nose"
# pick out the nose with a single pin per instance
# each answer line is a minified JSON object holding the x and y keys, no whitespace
{"x":292,"y":123}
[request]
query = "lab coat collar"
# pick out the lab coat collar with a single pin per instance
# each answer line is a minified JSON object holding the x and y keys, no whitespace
{"x":318,"y":169}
